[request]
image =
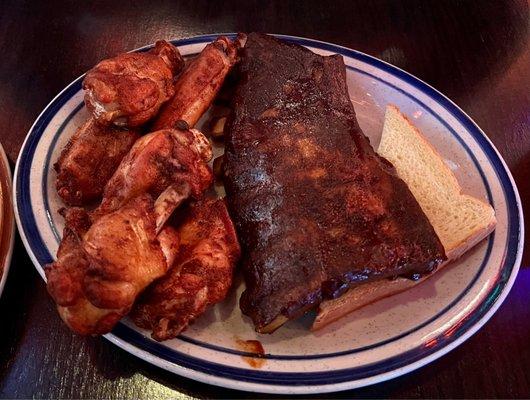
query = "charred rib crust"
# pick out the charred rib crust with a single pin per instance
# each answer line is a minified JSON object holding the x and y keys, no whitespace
{"x":316,"y":209}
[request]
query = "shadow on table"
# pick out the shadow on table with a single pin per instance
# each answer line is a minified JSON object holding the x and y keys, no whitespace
{"x":452,"y":45}
{"x":15,"y":302}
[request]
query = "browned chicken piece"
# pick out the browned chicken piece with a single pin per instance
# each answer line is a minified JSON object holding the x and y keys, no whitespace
{"x":101,"y":268}
{"x":169,"y":161}
{"x":201,"y":275}
{"x":129,"y":89}
{"x":89,"y":159}
{"x":107,"y":257}
{"x":199,"y":83}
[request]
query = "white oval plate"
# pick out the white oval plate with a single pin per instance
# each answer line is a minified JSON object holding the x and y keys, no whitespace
{"x":381,"y":341}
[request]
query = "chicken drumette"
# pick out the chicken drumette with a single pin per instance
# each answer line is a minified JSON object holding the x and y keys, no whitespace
{"x":199,"y":84}
{"x":169,"y":163}
{"x":201,"y":275}
{"x":129,"y":89}
{"x":89,"y":159}
{"x":101,"y":268}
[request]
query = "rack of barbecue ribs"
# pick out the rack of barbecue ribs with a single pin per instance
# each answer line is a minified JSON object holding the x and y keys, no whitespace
{"x":316,"y":209}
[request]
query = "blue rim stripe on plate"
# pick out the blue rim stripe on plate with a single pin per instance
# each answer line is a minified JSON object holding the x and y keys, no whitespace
{"x":47,"y":160}
{"x":279,"y":378}
{"x":219,"y":348}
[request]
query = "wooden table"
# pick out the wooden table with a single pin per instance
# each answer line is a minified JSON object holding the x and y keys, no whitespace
{"x":477,"y":53}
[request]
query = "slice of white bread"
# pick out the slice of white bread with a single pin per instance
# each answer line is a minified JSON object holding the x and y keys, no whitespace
{"x":460,"y":221}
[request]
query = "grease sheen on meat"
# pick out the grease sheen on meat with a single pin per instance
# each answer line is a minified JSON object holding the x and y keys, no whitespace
{"x":89,"y":159}
{"x":201,"y":275}
{"x":317,"y":210}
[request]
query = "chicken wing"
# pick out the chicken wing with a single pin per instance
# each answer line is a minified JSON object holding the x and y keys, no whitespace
{"x":201,"y":275}
{"x":94,"y":152}
{"x":129,"y":89}
{"x":157,"y":161}
{"x":199,"y":83}
{"x":102,"y":267}
{"x":107,"y":257}
{"x":89,"y":159}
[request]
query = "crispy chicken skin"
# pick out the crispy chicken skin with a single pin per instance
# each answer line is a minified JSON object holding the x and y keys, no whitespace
{"x":109,"y":255}
{"x":201,"y":275}
{"x":89,"y":159}
{"x":129,"y":89}
{"x":199,"y":83}
{"x":101,"y":268}
{"x":157,"y":161}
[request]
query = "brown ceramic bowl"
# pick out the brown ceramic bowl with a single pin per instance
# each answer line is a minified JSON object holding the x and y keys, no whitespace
{"x":7,"y":222}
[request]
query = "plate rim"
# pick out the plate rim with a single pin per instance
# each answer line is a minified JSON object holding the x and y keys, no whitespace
{"x":289,"y":389}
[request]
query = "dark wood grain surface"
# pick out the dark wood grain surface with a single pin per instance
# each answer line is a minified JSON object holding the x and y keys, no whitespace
{"x":477,"y":53}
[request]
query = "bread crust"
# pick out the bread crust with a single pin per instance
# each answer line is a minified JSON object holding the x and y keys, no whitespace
{"x":360,"y":296}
